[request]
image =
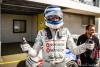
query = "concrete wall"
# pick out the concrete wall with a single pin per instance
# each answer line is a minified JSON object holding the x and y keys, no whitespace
{"x":96,"y":23}
{"x":7,"y":34}
{"x":74,"y":23}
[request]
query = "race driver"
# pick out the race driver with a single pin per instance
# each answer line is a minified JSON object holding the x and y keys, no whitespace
{"x":54,"y":39}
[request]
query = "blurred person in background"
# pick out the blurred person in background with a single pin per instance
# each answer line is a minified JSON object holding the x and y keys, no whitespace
{"x":90,"y":57}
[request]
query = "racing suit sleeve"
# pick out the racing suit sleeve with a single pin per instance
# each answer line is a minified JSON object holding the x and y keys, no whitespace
{"x":37,"y":45}
{"x":73,"y":47}
{"x":38,"y":42}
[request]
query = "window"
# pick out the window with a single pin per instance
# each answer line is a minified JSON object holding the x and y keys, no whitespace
{"x":19,"y":26}
{"x":87,"y":20}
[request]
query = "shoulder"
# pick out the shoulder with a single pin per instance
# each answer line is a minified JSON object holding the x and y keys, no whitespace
{"x":65,"y":29}
{"x":40,"y":32}
{"x":81,"y":36}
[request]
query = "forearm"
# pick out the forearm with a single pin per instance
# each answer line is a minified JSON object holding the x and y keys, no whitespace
{"x":77,"y":49}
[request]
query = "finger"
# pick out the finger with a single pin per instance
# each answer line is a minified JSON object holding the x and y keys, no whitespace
{"x":80,"y":63}
{"x":25,"y":45}
{"x":25,"y":48}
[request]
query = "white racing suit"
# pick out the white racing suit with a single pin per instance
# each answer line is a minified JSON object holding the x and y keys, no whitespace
{"x":54,"y":48}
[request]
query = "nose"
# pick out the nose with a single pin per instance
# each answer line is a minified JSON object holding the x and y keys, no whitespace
{"x":55,"y":19}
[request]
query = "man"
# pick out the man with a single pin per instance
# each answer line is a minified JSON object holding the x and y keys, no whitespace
{"x":88,"y":58}
{"x":54,"y":39}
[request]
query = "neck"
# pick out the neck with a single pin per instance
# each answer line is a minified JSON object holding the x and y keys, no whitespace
{"x":88,"y":35}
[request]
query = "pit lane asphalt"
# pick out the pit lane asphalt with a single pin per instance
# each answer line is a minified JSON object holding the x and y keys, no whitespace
{"x":12,"y":55}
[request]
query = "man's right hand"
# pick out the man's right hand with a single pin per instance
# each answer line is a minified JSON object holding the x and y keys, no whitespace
{"x":79,"y":62}
{"x":89,"y":46}
{"x":25,"y":47}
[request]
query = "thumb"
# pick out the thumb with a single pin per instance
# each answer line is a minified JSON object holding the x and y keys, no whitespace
{"x":24,"y":40}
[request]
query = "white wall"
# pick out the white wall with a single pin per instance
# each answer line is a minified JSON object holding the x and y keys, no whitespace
{"x":7,"y":34}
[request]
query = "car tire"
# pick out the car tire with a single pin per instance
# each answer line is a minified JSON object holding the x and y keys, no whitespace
{"x":71,"y":64}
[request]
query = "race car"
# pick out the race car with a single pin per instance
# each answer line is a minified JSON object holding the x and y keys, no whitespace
{"x":37,"y":61}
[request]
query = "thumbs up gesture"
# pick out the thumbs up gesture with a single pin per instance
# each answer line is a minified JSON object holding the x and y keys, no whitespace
{"x":24,"y":45}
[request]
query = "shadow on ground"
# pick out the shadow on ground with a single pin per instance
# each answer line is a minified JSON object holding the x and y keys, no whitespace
{"x":11,"y":48}
{"x":21,"y":64}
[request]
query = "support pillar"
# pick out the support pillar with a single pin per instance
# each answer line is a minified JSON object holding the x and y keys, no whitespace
{"x":98,"y":28}
{"x":97,"y":3}
{"x":0,"y":30}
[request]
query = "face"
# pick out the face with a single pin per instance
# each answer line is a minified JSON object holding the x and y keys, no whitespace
{"x":91,"y":31}
{"x":55,"y":18}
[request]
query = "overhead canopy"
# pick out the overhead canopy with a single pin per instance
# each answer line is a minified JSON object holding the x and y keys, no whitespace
{"x":73,"y":7}
{"x":22,"y":7}
{"x":30,"y":7}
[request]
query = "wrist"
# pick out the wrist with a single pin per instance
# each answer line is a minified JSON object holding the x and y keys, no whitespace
{"x":32,"y":52}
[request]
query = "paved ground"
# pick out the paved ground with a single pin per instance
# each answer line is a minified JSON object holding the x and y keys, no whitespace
{"x":12,"y":55}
